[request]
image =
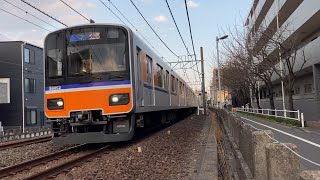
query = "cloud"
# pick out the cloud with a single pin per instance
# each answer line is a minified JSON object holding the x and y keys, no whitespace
{"x":160,"y":18}
{"x":192,"y":4}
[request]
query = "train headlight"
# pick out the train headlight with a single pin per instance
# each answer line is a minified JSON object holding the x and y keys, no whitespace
{"x":54,"y":104}
{"x":119,"y":99}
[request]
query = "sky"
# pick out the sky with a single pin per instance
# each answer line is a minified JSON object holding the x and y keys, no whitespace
{"x":208,"y":18}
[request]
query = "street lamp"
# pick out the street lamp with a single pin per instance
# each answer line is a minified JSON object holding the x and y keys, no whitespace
{"x":220,"y":94}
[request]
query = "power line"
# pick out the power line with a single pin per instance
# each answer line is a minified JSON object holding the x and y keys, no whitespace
{"x":190,"y":30}
{"x":153,"y":29}
{"x":43,"y":12}
{"x":179,"y":32}
{"x":177,"y":27}
{"x":24,"y":19}
{"x":134,"y":28}
{"x":76,"y":11}
{"x":185,"y":2}
{"x":30,"y":14}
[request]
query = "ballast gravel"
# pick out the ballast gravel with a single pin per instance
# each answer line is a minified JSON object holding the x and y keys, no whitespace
{"x":171,"y":153}
{"x":21,"y":154}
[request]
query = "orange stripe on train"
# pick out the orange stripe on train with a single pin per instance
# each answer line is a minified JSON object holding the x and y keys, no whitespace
{"x":85,"y":100}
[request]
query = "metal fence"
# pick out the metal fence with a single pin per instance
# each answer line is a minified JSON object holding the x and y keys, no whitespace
{"x":287,"y":114}
{"x":16,"y":134}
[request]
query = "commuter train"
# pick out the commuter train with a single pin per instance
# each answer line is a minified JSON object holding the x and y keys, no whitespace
{"x":102,"y":82}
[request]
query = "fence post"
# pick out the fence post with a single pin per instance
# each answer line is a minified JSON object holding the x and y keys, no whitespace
{"x":302,"y":120}
{"x":285,"y":113}
{"x":268,"y":112}
{"x":299,"y":118}
{"x":275,"y":112}
{"x":198,"y":111}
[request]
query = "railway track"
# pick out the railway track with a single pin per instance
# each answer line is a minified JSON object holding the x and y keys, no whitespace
{"x":25,"y":142}
{"x":53,"y":164}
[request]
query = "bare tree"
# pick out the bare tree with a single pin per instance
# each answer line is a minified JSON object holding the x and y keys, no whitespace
{"x":287,"y":51}
{"x":241,"y":49}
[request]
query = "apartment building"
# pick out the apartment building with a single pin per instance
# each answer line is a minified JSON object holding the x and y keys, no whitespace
{"x":21,"y":85}
{"x":302,"y":18}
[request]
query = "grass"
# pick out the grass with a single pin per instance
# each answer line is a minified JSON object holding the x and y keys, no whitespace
{"x":284,"y":121}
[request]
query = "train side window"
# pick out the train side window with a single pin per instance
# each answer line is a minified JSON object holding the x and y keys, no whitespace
{"x":166,"y":81}
{"x":149,"y":70}
{"x":160,"y":75}
{"x":173,"y":88}
{"x":176,"y":85}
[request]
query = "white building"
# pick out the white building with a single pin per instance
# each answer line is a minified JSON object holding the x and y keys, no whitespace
{"x":302,"y":17}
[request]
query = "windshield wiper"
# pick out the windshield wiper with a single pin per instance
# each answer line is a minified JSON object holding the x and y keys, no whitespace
{"x":115,"y":77}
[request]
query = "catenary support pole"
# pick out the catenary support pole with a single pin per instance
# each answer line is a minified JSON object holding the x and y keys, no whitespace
{"x":203,"y":84}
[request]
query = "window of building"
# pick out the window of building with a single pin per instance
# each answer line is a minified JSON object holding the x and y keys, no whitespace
{"x":31,"y":116}
{"x":166,"y":80}
{"x":4,"y":90}
{"x":296,"y":90}
{"x":149,"y":70}
{"x":29,"y":85}
{"x":160,"y":75}
{"x":29,"y":56}
{"x":26,"y":55}
{"x":308,"y":88}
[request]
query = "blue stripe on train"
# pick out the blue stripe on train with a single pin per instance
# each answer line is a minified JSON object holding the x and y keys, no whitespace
{"x":93,"y":84}
{"x":156,"y":88}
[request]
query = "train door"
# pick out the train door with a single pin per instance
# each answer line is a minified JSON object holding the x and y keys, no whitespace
{"x":149,"y":91}
{"x":179,"y":91}
{"x":139,"y":73}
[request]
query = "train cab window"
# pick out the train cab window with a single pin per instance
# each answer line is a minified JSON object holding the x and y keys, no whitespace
{"x":160,"y":75}
{"x":173,"y":88}
{"x":166,"y":80}
{"x":149,"y":70}
{"x":97,"y":50}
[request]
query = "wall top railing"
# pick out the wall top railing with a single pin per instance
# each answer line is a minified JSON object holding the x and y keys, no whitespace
{"x":282,"y":113}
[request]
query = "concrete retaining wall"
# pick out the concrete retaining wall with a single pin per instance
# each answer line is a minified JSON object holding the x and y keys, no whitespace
{"x":257,"y":156}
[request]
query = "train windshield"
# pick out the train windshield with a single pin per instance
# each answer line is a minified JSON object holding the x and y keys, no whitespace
{"x":88,"y":52}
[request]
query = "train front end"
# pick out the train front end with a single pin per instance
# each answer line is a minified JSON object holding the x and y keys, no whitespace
{"x":88,"y":87}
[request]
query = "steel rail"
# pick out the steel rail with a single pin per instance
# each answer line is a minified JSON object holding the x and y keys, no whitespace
{"x":67,"y":165}
{"x":24,"y":143}
{"x":7,"y":171}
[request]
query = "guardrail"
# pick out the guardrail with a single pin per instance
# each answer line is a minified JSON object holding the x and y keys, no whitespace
{"x":276,"y":113}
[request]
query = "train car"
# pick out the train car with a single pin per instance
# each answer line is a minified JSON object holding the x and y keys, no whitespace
{"x":102,"y":82}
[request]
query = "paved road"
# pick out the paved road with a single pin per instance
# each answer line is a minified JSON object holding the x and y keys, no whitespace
{"x":308,"y":143}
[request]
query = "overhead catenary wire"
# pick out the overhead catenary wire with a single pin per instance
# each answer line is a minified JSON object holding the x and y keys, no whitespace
{"x":24,"y":19}
{"x":30,"y":14}
{"x":75,"y":11}
{"x":153,"y":29}
{"x":131,"y":25}
{"x":179,"y":31}
{"x":190,"y":31}
{"x":43,"y":12}
{"x":177,"y":28}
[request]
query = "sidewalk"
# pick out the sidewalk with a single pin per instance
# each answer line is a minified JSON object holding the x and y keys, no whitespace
{"x":208,"y":160}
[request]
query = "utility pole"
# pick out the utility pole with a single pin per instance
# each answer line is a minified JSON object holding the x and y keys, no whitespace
{"x":203,"y":84}
{"x":220,"y":93}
